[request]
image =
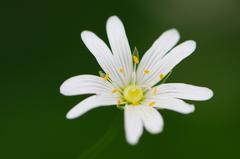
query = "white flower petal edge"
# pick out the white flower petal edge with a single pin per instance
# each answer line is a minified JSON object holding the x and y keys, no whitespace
{"x":90,"y":103}
{"x":173,"y":104}
{"x":103,"y":55}
{"x":168,"y":62}
{"x":85,"y":84}
{"x":168,"y":96}
{"x":160,"y":47}
{"x":137,"y":117}
{"x":133,"y":124}
{"x":120,"y":46}
{"x":151,"y":118}
{"x":183,"y":91}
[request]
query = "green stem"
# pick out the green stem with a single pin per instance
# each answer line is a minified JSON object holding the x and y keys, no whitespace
{"x":103,"y":142}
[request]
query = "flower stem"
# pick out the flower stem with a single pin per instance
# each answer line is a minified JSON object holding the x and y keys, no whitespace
{"x":103,"y":142}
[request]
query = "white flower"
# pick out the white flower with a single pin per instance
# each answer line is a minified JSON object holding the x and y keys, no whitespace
{"x":132,"y":84}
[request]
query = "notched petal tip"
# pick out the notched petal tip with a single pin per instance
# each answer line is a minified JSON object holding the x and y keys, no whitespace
{"x":189,"y":109}
{"x":132,"y":142}
{"x":133,"y":139}
{"x":156,"y":131}
{"x":204,"y":93}
{"x":187,"y":47}
{"x":191,"y":44}
{"x":113,"y":17}
{"x":63,"y":89}
{"x":66,"y":87}
{"x":71,"y":115}
{"x":85,"y":33}
{"x":174,"y":32}
{"x":208,"y":93}
{"x":114,"y":22}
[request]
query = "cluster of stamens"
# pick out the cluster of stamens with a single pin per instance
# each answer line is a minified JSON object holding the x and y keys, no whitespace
{"x":132,"y":94}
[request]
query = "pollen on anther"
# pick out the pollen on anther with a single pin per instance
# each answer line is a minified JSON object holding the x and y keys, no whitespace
{"x":114,"y":90}
{"x":151,"y":104}
{"x":135,"y":59}
{"x":106,"y":77}
{"x":154,"y":91}
{"x":121,"y":70}
{"x":161,"y":76}
{"x":146,"y":71}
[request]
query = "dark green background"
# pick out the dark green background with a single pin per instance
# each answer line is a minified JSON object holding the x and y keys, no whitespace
{"x":40,"y":48}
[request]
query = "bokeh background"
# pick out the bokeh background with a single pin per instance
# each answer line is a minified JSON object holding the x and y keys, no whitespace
{"x":40,"y":48}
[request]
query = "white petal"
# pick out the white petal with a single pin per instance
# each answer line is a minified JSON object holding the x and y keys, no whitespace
{"x":120,"y":46}
{"x":90,"y":103}
{"x":133,"y":124}
{"x":172,"y":104}
{"x":156,"y":52}
{"x":151,"y":118}
{"x":85,"y":84}
{"x":169,"y":61}
{"x":102,"y":54}
{"x":184,"y":91}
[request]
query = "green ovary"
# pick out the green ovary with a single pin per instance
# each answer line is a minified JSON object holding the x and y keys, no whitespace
{"x":133,"y":94}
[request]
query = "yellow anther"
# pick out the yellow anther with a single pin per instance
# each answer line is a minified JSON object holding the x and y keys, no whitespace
{"x":106,"y":77}
{"x":161,"y":76}
{"x":121,"y":70}
{"x":114,"y":90}
{"x":135,"y":59}
{"x":146,"y":72}
{"x":154,"y":91}
{"x":135,"y":56}
{"x":151,"y":104}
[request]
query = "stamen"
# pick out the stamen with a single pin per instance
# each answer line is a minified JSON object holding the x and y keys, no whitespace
{"x":151,"y":104}
{"x":146,"y":71}
{"x":135,"y":56}
{"x":106,"y":77}
{"x":161,"y":76}
{"x":114,"y":90}
{"x":154,"y":91}
{"x":121,"y":70}
{"x":135,"y":59}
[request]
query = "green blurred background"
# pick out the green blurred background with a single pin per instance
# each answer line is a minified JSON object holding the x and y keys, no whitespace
{"x":40,"y":48}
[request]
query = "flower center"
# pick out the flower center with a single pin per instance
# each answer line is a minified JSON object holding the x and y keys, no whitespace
{"x":133,"y":94}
